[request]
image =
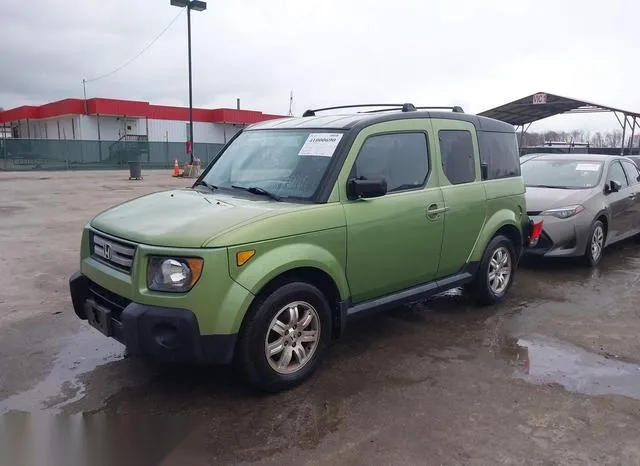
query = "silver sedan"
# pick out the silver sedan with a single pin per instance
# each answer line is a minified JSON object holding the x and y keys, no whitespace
{"x":587,"y":202}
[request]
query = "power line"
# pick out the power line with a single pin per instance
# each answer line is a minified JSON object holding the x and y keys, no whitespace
{"x":138,"y":54}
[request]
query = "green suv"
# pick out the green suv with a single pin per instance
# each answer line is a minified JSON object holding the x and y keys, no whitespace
{"x":301,"y":224}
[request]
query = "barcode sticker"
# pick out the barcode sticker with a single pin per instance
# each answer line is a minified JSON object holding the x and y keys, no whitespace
{"x":320,"y":144}
{"x":588,"y":167}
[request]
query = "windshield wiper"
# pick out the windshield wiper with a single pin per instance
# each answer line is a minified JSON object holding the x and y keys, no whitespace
{"x":258,"y":190}
{"x":208,"y":185}
{"x":548,"y":186}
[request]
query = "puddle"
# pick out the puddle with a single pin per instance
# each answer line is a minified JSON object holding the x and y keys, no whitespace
{"x":62,"y":386}
{"x":543,"y":360}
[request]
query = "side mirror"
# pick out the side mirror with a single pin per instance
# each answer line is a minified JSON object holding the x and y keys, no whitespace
{"x":484,"y":171}
{"x":366,"y":188}
{"x":612,"y":187}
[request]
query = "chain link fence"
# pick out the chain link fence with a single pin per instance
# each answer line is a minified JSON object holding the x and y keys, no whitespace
{"x":47,"y":154}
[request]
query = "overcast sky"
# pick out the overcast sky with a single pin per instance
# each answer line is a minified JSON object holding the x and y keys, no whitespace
{"x":477,"y":54}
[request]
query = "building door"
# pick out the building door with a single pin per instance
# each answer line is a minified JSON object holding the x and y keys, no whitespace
{"x":131,"y":127}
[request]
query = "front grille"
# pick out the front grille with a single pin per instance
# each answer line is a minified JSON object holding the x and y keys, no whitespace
{"x":533,"y":213}
{"x":116,"y":254}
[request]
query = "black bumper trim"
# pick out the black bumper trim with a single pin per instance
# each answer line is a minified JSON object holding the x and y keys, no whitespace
{"x":158,"y":333}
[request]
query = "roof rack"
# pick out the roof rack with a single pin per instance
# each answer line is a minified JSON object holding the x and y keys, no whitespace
{"x":406,"y":107}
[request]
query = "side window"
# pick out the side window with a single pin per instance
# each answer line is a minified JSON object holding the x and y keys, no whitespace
{"x":401,"y":158}
{"x":617,"y":174}
{"x":456,"y":149}
{"x":499,"y":151}
{"x":632,"y":172}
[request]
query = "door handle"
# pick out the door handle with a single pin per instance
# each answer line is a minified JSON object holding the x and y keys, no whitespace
{"x":433,"y":210}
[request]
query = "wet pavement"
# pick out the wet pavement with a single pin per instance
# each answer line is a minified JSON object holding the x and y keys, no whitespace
{"x":550,"y":376}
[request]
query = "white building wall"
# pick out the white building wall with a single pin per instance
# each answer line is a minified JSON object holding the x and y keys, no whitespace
{"x":167,"y":130}
{"x":111,"y":128}
{"x":176,"y":131}
{"x":88,"y":127}
{"x":51,"y":126}
{"x":68,"y":128}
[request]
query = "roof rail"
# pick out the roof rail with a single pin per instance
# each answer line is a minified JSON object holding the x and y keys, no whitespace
{"x":406,"y":107}
{"x":455,"y":108}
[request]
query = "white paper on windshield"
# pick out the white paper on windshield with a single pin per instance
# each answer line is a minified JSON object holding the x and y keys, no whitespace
{"x":320,"y":144}
{"x":588,"y":167}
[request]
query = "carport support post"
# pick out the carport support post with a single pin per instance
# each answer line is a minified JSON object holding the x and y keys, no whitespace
{"x":624,"y":133}
{"x":633,"y":130}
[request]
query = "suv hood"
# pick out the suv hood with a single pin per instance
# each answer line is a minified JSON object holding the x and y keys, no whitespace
{"x":540,"y":199}
{"x":182,"y":218}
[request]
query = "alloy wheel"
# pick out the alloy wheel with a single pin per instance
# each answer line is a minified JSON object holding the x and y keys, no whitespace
{"x":292,"y":337}
{"x":500,"y":270}
{"x":597,"y":243}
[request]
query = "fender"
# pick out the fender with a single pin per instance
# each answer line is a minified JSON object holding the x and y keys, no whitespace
{"x":284,"y":258}
{"x":498,"y":220}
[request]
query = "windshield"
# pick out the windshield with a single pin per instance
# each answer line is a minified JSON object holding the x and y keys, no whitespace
{"x":562,"y":174}
{"x":285,"y":163}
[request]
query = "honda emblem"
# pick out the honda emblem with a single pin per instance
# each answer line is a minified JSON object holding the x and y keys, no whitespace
{"x":106,"y":249}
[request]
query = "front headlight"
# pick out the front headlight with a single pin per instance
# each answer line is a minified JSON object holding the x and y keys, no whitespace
{"x":564,"y":212}
{"x":175,"y":274}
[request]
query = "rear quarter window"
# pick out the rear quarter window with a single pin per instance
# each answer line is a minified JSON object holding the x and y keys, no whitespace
{"x":499,"y":151}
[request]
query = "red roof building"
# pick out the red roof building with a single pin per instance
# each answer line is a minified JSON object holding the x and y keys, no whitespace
{"x":101,"y":119}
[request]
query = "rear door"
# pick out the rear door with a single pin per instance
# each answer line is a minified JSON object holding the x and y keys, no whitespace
{"x":463,"y":192}
{"x":633,"y":176}
{"x":620,"y":203}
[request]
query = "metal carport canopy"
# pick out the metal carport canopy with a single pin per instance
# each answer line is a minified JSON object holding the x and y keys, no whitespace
{"x":541,"y":105}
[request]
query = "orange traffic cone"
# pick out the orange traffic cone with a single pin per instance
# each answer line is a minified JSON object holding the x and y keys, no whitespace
{"x":176,"y":168}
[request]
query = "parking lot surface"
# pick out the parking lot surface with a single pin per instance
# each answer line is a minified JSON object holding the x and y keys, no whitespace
{"x":550,"y":376}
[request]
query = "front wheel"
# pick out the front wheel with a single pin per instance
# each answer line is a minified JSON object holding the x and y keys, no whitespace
{"x":595,"y":245}
{"x":495,"y":273}
{"x":284,"y":337}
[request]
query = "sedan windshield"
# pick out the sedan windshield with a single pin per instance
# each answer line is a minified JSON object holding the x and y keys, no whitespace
{"x":277,"y":163}
{"x":561,"y":174}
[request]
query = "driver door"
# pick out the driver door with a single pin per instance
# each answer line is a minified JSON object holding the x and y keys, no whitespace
{"x":619,"y":202}
{"x":393,"y":241}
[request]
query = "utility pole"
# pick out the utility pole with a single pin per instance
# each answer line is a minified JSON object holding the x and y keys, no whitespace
{"x":197,"y":6}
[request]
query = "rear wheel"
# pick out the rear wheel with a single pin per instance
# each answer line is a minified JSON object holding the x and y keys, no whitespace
{"x":284,"y":337}
{"x":495,"y":273}
{"x":595,"y":245}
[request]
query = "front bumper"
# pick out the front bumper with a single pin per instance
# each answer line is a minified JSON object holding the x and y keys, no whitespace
{"x":561,"y":237}
{"x":161,"y":334}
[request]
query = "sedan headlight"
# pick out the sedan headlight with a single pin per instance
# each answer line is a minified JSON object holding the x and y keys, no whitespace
{"x":174,"y":274}
{"x":564,"y":212}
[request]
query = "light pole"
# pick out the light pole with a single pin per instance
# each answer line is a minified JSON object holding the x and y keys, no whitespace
{"x":196,"y":5}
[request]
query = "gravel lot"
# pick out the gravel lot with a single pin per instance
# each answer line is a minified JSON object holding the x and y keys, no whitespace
{"x":551,"y":376}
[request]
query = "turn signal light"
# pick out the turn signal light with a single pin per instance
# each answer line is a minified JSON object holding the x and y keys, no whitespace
{"x":243,"y":257}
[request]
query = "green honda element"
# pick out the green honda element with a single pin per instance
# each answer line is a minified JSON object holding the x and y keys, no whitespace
{"x":298,"y":226}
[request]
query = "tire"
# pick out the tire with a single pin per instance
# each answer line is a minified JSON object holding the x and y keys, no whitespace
{"x":269,"y":323}
{"x":593,"y":254}
{"x":485,"y":291}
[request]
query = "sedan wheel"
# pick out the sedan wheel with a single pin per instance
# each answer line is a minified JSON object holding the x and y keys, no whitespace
{"x":595,"y":246}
